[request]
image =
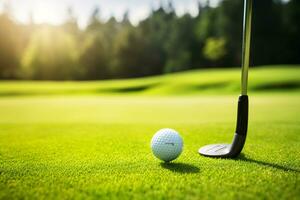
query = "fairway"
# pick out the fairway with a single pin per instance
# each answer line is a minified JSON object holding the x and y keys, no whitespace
{"x":93,"y":146}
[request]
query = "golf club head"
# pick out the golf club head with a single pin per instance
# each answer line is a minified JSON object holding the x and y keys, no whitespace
{"x":234,"y":149}
{"x":224,"y":150}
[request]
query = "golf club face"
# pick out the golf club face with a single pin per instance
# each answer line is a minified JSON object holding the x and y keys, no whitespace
{"x":215,"y":150}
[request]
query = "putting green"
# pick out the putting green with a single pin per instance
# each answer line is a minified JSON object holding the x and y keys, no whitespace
{"x":98,"y":146}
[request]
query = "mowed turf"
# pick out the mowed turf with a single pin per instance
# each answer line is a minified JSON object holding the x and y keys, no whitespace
{"x":210,"y":81}
{"x":98,"y":147}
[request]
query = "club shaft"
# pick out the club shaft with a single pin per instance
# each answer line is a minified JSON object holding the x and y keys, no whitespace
{"x":246,"y":44}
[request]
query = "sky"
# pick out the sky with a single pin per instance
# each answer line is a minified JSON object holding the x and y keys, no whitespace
{"x":55,"y":11}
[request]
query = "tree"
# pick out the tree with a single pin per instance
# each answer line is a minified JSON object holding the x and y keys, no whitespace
{"x":10,"y":48}
{"x":229,"y":26}
{"x":268,"y":35}
{"x":129,"y":48}
{"x":214,"y":49}
{"x":50,"y":55}
{"x":179,"y":44}
{"x":291,"y":27}
{"x":71,"y":25}
{"x":156,"y":30}
{"x":94,"y":22}
{"x":95,"y":57}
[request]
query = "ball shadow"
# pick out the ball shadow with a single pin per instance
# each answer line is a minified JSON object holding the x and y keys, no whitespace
{"x":182,"y":168}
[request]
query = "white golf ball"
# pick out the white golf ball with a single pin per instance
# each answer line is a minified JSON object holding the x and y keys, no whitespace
{"x":167,"y":144}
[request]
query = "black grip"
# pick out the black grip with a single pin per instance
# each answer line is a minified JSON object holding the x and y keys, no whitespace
{"x":242,"y":116}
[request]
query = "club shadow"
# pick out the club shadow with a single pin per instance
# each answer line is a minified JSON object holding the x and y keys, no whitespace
{"x":243,"y":158}
{"x":182,"y":168}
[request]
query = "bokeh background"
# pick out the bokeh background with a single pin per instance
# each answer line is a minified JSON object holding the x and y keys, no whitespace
{"x":66,"y":133}
{"x":93,"y":40}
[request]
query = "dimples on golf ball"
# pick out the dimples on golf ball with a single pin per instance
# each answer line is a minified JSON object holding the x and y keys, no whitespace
{"x":166,"y":144}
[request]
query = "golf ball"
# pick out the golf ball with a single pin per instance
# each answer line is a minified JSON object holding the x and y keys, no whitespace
{"x":167,"y":144}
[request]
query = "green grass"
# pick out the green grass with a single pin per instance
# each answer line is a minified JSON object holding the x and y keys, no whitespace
{"x":222,"y":81}
{"x":96,"y":146}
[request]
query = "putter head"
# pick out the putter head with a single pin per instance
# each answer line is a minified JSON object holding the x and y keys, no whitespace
{"x":234,"y":149}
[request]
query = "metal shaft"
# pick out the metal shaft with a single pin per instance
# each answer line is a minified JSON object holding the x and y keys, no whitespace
{"x":246,"y":44}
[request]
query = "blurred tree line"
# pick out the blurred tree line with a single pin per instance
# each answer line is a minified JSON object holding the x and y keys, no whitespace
{"x":161,"y":43}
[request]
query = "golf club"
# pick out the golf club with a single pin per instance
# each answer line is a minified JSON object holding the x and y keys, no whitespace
{"x":234,"y":149}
